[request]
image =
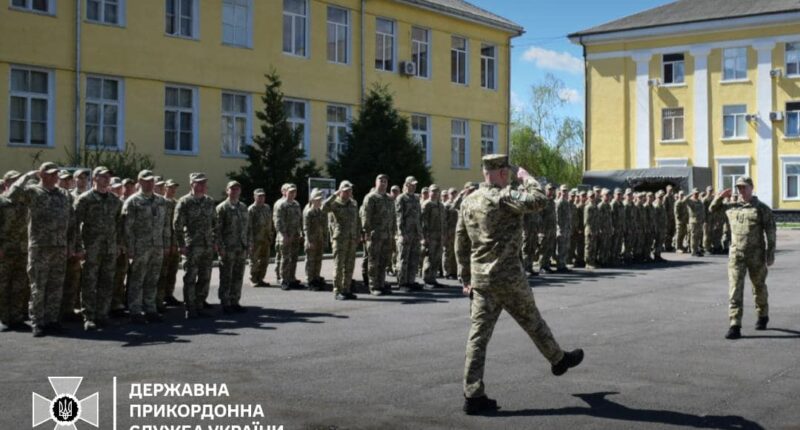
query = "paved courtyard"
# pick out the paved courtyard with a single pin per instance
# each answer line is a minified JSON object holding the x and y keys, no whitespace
{"x":655,"y":357}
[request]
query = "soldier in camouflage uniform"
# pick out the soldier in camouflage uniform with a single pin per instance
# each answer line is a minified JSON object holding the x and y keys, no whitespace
{"x":315,"y":222}
{"x":449,"y":246}
{"x":233,"y":245}
{"x":659,"y":225}
{"x":648,"y":233}
{"x":488,"y":246}
{"x":752,"y":251}
{"x":70,"y":298}
{"x":606,"y":236}
{"x":119,"y":297}
{"x":172,"y":257}
{"x":548,"y":231}
{"x":578,"y":239}
{"x":409,"y":232}
{"x":14,"y":288}
{"x":194,"y":223}
{"x":591,"y":227}
{"x":697,"y":214}
{"x":532,"y":222}
{"x":378,"y":229}
{"x":50,"y":219}
{"x":278,"y":203}
{"x":618,"y":225}
{"x":288,"y":220}
{"x":563,"y":211}
{"x":394,"y":193}
{"x":668,"y":201}
{"x":97,"y":219}
{"x":640,"y":225}
{"x":432,"y":220}
{"x":707,"y":197}
{"x":629,"y":227}
{"x":345,"y":238}
{"x":681,"y":216}
{"x":147,"y":234}
{"x":262,"y":231}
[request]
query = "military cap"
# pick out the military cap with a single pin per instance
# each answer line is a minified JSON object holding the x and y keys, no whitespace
{"x":410,"y":180}
{"x":284,"y":187}
{"x":548,"y":187}
{"x":649,"y":194}
{"x":659,"y":193}
{"x":395,"y":188}
{"x":452,"y":190}
{"x":290,"y":187}
{"x":695,"y":190}
{"x":159,"y":180}
{"x":232,"y":184}
{"x":434,"y":187}
{"x":259,"y":192}
{"x":617,"y":190}
{"x":573,"y":192}
{"x":382,"y":176}
{"x":171,"y":183}
{"x":744,"y":181}
{"x":12,"y":175}
{"x":64,"y":174}
{"x":146,"y":175}
{"x":127,"y":181}
{"x":345,"y":185}
{"x":425,"y":189}
{"x":605,"y":191}
{"x":628,"y":191}
{"x":597,"y":188}
{"x":116,"y":182}
{"x":581,"y":193}
{"x":495,"y":161}
{"x":316,"y":194}
{"x":80,"y":172}
{"x":48,"y":167}
{"x":101,"y":170}
{"x":197,"y":177}
{"x":590,"y":193}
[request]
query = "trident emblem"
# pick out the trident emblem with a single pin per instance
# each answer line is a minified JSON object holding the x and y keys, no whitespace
{"x":64,"y":409}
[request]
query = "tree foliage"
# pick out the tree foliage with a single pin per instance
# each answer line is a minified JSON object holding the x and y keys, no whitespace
{"x":125,"y":163}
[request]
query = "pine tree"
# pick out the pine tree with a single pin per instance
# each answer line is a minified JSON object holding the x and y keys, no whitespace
{"x":379,"y":142}
{"x":276,"y":155}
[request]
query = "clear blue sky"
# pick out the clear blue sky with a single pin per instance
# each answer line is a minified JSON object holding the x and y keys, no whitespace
{"x":544,"y":48}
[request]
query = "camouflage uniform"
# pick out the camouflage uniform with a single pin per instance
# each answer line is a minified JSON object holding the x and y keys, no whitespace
{"x":563,"y":210}
{"x":451,"y":219}
{"x":681,"y":223}
{"x":172,"y":258}
{"x":591,"y":223}
{"x":70,"y":298}
{"x":409,"y":231}
{"x":606,"y":235}
{"x":346,"y":228}
{"x":432,"y":219}
{"x":640,"y":224}
{"x":233,"y":242}
{"x":378,"y":226}
{"x":629,"y":230}
{"x":618,"y":225}
{"x":262,"y":231}
{"x":288,"y":220}
{"x":532,"y":222}
{"x":14,"y":288}
{"x":278,"y":203}
{"x":315,"y":222}
{"x":548,"y":231}
{"x":194,"y":224}
{"x":668,"y":202}
{"x":578,"y":239}
{"x":648,"y":233}
{"x":659,"y":228}
{"x":697,"y":215}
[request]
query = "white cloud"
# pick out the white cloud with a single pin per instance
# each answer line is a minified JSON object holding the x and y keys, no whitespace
{"x":516,"y":102}
{"x":570,"y":95}
{"x":553,"y":60}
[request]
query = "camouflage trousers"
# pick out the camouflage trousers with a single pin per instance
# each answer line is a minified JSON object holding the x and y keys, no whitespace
{"x":617,"y":243}
{"x":669,"y":234}
{"x":740,"y":263}
{"x":70,"y":298}
{"x":314,"y":252}
{"x":259,"y":261}
{"x":14,"y":289}
{"x":449,"y":257}
{"x":578,"y":249}
{"x":197,"y":267}
{"x":432,"y":261}
{"x":288,"y":252}
{"x":47,"y":267}
{"x":278,"y":262}
{"x":378,"y":253}
{"x":707,"y":235}
{"x":393,"y":263}
{"x":344,"y":261}
{"x":169,"y":273}
{"x":143,"y":280}
{"x":629,"y":243}
{"x":530,"y":247}
{"x":548,"y":249}
{"x":680,"y":236}
{"x":231,"y":275}
{"x":118,"y":299}
{"x":658,"y":244}
{"x":562,"y":249}
{"x":590,"y":248}
{"x":97,"y":282}
{"x":407,"y":259}
{"x":695,"y":237}
{"x":486,"y":306}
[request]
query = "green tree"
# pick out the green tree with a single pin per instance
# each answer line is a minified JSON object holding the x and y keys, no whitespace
{"x":125,"y":163}
{"x":379,"y":142}
{"x":276,"y":155}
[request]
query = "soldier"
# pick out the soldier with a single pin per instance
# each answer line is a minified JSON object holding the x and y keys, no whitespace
{"x":158,"y":189}
{"x":14,"y":288}
{"x":129,"y":187}
{"x":50,"y":218}
{"x":532,"y":222}
{"x":668,"y":201}
{"x":97,"y":219}
{"x":578,"y":239}
{"x":394,"y":193}
{"x":346,"y":234}
{"x":261,"y":228}
{"x":315,"y":222}
{"x":488,"y":243}
{"x":639,"y":224}
{"x":752,"y":250}
{"x":648,"y":233}
{"x":449,"y":239}
{"x":119,"y":297}
{"x":629,"y":229}
{"x":172,"y":257}
{"x":432,"y":220}
{"x":707,"y":197}
{"x":288,"y":220}
{"x":425,"y":195}
{"x":194,"y":223}
{"x":591,"y":221}
{"x":563,"y":211}
{"x":548,"y":231}
{"x":681,"y":216}
{"x":70,"y":299}
{"x":378,"y":229}
{"x":618,"y":225}
{"x":606,"y":234}
{"x":147,"y":234}
{"x":409,"y":232}
{"x":697,"y":214}
{"x":659,"y":225}
{"x":278,"y":203}
{"x":233,"y":245}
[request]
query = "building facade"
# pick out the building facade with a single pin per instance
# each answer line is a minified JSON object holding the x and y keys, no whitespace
{"x":699,"y":83}
{"x":181,"y":79}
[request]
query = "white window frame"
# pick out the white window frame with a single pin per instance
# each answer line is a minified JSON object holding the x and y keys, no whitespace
{"x":786,"y":161}
{"x":738,"y":55}
{"x":306,"y":25}
{"x":248,"y":121}
{"x":672,"y":122}
{"x":195,"y":20}
{"x":121,"y":7}
{"x":738,"y":120}
{"x":672,"y":162}
{"x":731,"y":162}
{"x":337,"y":28}
{"x":453,"y":138}
{"x":417,"y":135}
{"x":791,"y":134}
{"x":248,"y":30}
{"x":305,"y":122}
{"x":51,"y":112}
{"x":195,"y":111}
{"x":486,"y":67}
{"x":391,"y":37}
{"x":792,"y":57}
{"x":485,"y":140}
{"x":120,"y":103}
{"x":328,"y":124}
{"x":673,"y":63}
{"x":51,"y":7}
{"x":416,"y":46}
{"x":465,"y":52}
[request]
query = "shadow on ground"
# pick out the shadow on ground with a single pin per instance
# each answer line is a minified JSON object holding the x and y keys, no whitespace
{"x":578,"y":276}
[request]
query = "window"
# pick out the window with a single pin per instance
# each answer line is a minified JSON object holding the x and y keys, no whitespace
{"x":338,"y":35}
{"x":458,"y":60}
{"x":672,"y":124}
{"x":296,"y":115}
{"x":734,"y":125}
{"x":488,"y":66}
{"x":488,"y":139}
{"x":672,"y":162}
{"x":179,"y":120}
{"x":235,"y":123}
{"x":734,"y":64}
{"x":793,"y":119}
{"x":420,"y":132}
{"x":294,"y":27}
{"x":103,"y":113}
{"x":384,"y":44}
{"x":46,"y":6}
{"x":791,"y":174}
{"x":237,"y":22}
{"x":337,"y":130}
{"x":31,"y":102}
{"x":793,"y":59}
{"x":730,"y":172}
{"x":673,"y":68}
{"x":104,"y":11}
{"x":459,"y":143}
{"x":420,"y":51}
{"x":181,"y":19}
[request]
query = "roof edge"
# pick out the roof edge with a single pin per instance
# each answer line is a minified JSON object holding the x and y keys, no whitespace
{"x":511,"y":27}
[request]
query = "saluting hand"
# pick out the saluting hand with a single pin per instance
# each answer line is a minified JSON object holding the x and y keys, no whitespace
{"x":726,"y":193}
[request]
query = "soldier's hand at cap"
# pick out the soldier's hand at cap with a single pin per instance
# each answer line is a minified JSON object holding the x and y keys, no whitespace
{"x":727,"y":192}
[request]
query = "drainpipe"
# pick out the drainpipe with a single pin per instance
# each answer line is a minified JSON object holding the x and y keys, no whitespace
{"x":78,"y":13}
{"x":585,"y":107}
{"x":363,"y":47}
{"x":508,"y":100}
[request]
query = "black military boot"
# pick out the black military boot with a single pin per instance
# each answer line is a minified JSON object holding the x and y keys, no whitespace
{"x":571,"y":359}
{"x":734,"y":332}
{"x":761,"y":324}
{"x":479,"y":405}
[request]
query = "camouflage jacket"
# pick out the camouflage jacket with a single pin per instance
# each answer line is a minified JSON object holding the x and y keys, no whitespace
{"x":659,"y":218}
{"x":97,"y":218}
{"x":260,"y":219}
{"x":450,"y":221}
{"x":681,"y":211}
{"x":591,"y":218}
{"x":696,"y":210}
{"x":617,"y":215}
{"x":606,"y":218}
{"x":577,"y":219}
{"x":489,"y":234}
{"x":345,"y":222}
{"x":233,"y":228}
{"x":51,"y":220}
{"x":629,"y":217}
{"x":668,"y":201}
{"x":432,"y":220}
{"x":173,"y":238}
{"x":146,"y":223}
{"x":649,"y":218}
{"x":752,"y":225}
{"x":377,"y":216}
{"x":315,"y":224}
{"x":288,"y":220}
{"x":548,"y":216}
{"x":13,"y":227}
{"x":408,"y":213}
{"x":563,"y":210}
{"x":194,"y":222}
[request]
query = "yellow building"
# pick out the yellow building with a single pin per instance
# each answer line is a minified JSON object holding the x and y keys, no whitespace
{"x":181,"y":79}
{"x":704,"y":83}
